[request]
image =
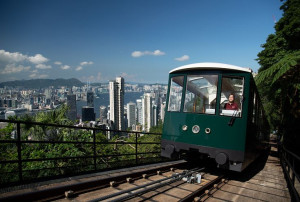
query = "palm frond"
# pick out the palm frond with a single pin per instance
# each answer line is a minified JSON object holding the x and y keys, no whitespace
{"x":280,"y":68}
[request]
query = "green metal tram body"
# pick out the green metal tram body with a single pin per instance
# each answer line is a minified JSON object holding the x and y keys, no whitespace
{"x":234,"y":138}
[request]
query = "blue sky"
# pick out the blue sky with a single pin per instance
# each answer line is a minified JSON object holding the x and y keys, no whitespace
{"x":141,"y":40}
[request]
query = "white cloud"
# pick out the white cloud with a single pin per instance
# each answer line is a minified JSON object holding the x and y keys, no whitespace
{"x":78,"y":68}
{"x":8,"y":57}
{"x":158,"y":53}
{"x":65,"y":67}
{"x":42,"y":76}
{"x":86,"y":63}
{"x":127,"y":76}
{"x":142,"y":53}
{"x":43,"y":66}
{"x":57,"y":63}
{"x":11,"y":68}
{"x":37,"y":76}
{"x":16,"y":57}
{"x":183,"y":58}
{"x":33,"y":75}
{"x":38,"y":59}
{"x":94,"y":78}
{"x":136,"y":54}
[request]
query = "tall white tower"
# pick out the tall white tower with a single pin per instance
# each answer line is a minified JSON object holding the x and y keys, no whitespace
{"x":139,"y":109}
{"x":147,"y":111}
{"x":116,"y":101}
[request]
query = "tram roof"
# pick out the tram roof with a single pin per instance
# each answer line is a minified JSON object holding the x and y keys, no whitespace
{"x":210,"y":66}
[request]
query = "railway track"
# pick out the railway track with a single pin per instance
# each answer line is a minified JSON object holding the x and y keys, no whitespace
{"x":177,"y":182}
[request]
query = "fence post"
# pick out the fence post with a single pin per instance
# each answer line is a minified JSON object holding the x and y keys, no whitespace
{"x":136,"y":148}
{"x":94,"y":147}
{"x":19,"y":152}
{"x":293,"y":174}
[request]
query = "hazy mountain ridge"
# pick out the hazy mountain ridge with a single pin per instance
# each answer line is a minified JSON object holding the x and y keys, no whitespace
{"x":43,"y":83}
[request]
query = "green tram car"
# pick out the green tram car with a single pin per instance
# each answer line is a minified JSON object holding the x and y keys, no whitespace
{"x":197,"y":120}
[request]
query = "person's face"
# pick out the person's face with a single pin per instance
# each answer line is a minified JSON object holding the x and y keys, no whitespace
{"x":231,"y":98}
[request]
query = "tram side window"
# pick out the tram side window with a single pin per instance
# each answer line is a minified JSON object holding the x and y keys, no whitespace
{"x":175,"y":94}
{"x":231,"y":96}
{"x":201,"y":93}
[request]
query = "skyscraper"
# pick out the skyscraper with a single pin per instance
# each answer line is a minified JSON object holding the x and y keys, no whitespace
{"x":88,"y":113}
{"x":139,"y":110}
{"x":90,"y":99}
{"x":147,"y":111}
{"x":116,"y":100}
{"x":131,"y":114}
{"x":71,"y":103}
{"x":103,"y":113}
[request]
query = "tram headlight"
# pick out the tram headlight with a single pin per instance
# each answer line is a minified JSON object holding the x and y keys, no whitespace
{"x":184,"y":127}
{"x":196,"y":129}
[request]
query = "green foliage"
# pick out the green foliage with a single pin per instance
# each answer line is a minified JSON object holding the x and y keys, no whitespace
{"x":77,"y":146}
{"x":279,"y":76}
{"x":6,"y":132}
{"x":289,"y":25}
{"x":158,"y":128}
{"x":283,"y":69}
{"x":273,"y":50}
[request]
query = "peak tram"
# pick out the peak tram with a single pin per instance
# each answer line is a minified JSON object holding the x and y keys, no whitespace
{"x":213,"y":110}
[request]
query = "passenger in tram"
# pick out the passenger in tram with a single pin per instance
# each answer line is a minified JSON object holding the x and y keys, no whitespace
{"x":231,"y":105}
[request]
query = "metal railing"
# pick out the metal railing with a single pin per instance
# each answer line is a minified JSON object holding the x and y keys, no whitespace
{"x":98,"y":152}
{"x":290,"y":162}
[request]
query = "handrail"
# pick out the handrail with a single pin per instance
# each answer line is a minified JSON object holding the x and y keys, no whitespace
{"x":75,"y":127}
{"x":287,"y":159}
{"x":291,"y":153}
{"x":90,"y":156}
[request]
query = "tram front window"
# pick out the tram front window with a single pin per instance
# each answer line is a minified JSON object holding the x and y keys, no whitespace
{"x":175,"y":93}
{"x":232,"y":96}
{"x":201,"y":93}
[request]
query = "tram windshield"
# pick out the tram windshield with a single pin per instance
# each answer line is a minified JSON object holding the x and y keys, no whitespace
{"x":201,"y":93}
{"x":231,"y":96}
{"x":175,"y":93}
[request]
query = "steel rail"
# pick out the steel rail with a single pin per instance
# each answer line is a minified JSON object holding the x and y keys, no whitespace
{"x":129,"y":193}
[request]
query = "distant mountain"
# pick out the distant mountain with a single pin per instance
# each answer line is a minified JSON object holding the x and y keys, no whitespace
{"x":43,"y":83}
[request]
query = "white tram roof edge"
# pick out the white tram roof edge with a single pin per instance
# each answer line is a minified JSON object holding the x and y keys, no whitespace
{"x":212,"y":66}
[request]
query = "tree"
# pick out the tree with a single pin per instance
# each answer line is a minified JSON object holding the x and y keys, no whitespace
{"x":279,"y":76}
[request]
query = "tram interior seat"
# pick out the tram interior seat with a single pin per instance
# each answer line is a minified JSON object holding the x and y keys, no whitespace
{"x":210,"y":111}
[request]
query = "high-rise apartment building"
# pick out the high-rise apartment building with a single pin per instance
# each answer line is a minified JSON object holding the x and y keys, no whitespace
{"x":71,"y":103}
{"x":139,"y":110}
{"x":90,"y":99}
{"x":147,"y":111}
{"x":88,"y":113}
{"x":103,"y":113}
{"x":131,"y":114}
{"x":116,"y":101}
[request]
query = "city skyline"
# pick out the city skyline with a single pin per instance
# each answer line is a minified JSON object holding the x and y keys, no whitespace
{"x":138,"y":40}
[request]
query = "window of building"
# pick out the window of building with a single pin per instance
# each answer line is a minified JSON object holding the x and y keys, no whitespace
{"x":231,"y":96}
{"x":201,"y":93}
{"x":175,"y":94}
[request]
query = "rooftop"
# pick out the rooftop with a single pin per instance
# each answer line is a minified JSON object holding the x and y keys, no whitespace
{"x":210,"y":66}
